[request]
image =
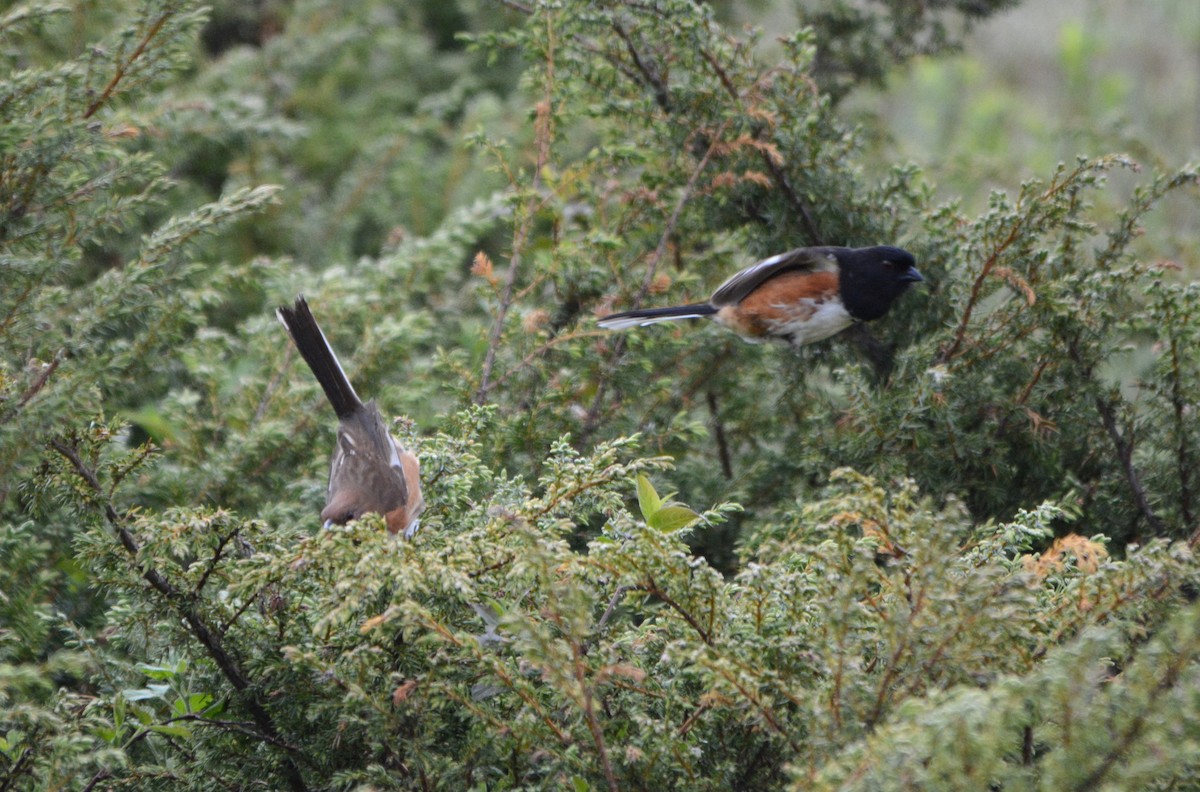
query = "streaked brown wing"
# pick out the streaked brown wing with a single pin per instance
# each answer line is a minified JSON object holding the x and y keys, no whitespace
{"x":366,"y":471}
{"x":811,"y":259}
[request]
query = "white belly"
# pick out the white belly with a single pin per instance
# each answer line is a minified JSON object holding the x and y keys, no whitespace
{"x":820,"y":321}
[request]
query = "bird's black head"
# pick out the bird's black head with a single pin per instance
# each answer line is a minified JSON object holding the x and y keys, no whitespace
{"x":872,"y":278}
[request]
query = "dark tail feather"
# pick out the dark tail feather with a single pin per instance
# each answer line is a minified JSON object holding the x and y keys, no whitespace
{"x":645,"y":316}
{"x":307,"y":335}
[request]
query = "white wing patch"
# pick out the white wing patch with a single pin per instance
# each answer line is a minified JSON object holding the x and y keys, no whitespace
{"x":394,"y":457}
{"x":742,"y":283}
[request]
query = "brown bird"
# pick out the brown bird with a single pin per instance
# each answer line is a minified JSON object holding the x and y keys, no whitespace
{"x":800,"y":297}
{"x":371,"y":473}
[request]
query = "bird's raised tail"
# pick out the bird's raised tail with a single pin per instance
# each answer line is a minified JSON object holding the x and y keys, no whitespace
{"x":646,"y":316}
{"x":314,"y":348}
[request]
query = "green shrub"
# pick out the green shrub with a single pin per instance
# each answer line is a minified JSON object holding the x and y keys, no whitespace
{"x":944,"y":551}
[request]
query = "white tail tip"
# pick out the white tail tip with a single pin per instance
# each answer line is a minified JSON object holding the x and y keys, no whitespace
{"x":626,"y":322}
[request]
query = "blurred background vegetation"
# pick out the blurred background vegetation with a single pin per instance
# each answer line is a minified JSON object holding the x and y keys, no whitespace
{"x":1042,"y":83}
{"x":978,"y":514}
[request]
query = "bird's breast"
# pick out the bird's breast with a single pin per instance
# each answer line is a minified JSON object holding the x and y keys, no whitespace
{"x":825,"y":319}
{"x":799,"y":307}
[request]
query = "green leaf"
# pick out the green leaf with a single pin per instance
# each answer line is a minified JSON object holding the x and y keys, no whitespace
{"x":198,"y":702}
{"x":648,"y":500}
{"x":148,"y":692}
{"x":672,"y":517}
{"x":161,"y":672}
{"x":153,"y":423}
{"x":172,"y":730}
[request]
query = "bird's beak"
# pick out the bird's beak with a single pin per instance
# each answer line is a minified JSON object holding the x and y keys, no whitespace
{"x":328,"y":524}
{"x":912,"y":276}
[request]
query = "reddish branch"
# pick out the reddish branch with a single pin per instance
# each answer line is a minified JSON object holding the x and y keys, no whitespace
{"x":1013,"y":235}
{"x":123,"y":68}
{"x":41,"y":380}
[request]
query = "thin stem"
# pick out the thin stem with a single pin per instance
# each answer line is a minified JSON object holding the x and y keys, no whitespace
{"x":122,"y":68}
{"x":653,"y":589}
{"x":1124,"y":448}
{"x":544,"y":128}
{"x":719,"y":435}
{"x":591,"y":422}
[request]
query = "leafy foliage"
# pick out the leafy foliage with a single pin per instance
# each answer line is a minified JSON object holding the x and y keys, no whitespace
{"x":970,"y":518}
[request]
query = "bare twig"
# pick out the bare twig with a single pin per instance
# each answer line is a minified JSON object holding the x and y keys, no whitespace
{"x":798,"y":204}
{"x":652,"y":76}
{"x":593,"y":722}
{"x":1013,"y":235}
{"x":591,"y":421}
{"x":544,"y":132}
{"x":690,"y":721}
{"x":239,"y":726}
{"x":768,"y":715}
{"x":1124,"y":448}
{"x":216,"y":557}
{"x":1042,"y":365}
{"x":503,"y":562}
{"x":793,"y":198}
{"x":122,"y":68}
{"x":719,"y":434}
{"x":617,"y":596}
{"x":237,"y":614}
{"x":653,"y":589}
{"x":102,"y":774}
{"x":41,"y":380}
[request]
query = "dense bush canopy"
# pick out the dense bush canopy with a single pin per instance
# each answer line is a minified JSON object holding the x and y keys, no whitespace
{"x":949,"y":549}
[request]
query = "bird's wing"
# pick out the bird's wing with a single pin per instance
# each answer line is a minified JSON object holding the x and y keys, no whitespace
{"x":367,"y":461}
{"x":811,"y":259}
